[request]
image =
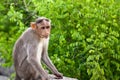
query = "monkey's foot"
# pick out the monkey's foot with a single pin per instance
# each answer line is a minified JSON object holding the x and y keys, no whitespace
{"x":53,"y":77}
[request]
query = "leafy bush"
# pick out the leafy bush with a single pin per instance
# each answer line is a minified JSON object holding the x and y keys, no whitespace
{"x":85,"y":35}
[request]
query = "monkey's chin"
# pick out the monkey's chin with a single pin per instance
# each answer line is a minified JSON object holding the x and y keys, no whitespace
{"x":44,"y":37}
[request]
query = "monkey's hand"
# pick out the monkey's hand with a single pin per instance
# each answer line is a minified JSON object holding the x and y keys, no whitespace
{"x":58,"y":75}
{"x":45,"y":78}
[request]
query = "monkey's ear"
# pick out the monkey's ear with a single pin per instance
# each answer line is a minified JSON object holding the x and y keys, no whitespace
{"x":33,"y":25}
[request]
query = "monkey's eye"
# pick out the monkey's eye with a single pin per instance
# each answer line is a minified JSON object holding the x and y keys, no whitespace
{"x":42,"y":27}
{"x":47,"y":27}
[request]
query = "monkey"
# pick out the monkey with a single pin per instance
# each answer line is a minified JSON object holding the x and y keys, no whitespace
{"x":31,"y":49}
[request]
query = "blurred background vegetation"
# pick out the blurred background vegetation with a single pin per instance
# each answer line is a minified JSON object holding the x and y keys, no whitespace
{"x":85,"y":36}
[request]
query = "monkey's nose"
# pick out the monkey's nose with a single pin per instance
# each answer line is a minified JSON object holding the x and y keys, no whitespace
{"x":46,"y":36}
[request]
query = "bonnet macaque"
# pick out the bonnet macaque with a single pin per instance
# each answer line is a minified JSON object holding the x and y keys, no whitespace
{"x":32,"y":48}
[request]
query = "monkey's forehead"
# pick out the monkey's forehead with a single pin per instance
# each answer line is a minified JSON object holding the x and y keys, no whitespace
{"x":43,"y":23}
{"x":40,"y":19}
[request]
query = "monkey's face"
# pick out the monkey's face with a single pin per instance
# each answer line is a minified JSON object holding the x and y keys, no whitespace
{"x":43,"y":29}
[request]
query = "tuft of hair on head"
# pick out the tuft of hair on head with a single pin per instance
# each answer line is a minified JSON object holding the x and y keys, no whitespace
{"x":40,"y":19}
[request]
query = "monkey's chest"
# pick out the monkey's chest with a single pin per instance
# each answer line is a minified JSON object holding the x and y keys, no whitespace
{"x":40,"y":49}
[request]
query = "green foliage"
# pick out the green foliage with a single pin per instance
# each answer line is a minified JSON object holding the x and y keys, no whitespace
{"x":85,"y":36}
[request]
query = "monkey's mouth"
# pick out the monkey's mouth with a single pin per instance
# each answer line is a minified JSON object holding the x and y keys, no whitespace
{"x":44,"y":36}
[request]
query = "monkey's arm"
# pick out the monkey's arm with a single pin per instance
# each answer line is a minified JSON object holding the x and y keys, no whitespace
{"x":48,"y":62}
{"x":35,"y":63}
{"x":36,"y":66}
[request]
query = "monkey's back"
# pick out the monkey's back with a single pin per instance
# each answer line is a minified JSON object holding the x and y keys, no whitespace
{"x":20,"y":52}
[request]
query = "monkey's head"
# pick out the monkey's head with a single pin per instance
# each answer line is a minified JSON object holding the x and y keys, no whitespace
{"x":42,"y":27}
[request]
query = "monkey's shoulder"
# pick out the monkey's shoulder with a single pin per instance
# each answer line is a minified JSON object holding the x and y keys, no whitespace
{"x":26,"y":37}
{"x":29,"y":35}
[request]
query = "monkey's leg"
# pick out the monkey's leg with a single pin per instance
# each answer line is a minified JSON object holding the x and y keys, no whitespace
{"x":17,"y":77}
{"x":38,"y":77}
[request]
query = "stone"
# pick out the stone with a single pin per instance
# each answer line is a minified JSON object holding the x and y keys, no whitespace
{"x":52,"y":77}
{"x":3,"y":78}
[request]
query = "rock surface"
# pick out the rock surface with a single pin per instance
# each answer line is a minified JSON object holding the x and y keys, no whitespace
{"x":6,"y":71}
{"x":52,"y":77}
{"x":3,"y":78}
